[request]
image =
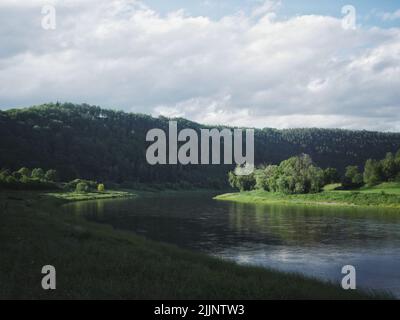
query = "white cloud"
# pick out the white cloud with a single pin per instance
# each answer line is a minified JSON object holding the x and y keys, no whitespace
{"x":390,"y":16}
{"x":253,"y":70}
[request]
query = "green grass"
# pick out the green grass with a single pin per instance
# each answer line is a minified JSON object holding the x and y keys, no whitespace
{"x":97,"y":262}
{"x":332,"y":187}
{"x":386,"y":187}
{"x":386,"y":196}
{"x":76,"y":196}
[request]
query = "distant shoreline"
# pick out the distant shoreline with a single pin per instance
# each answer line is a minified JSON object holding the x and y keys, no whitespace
{"x":327,"y":198}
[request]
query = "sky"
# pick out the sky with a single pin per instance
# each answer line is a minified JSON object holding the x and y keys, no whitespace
{"x":251,"y":63}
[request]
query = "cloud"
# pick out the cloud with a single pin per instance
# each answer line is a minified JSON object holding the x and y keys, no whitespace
{"x":390,"y":16}
{"x":243,"y":69}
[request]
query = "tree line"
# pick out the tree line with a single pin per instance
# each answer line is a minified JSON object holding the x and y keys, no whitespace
{"x":27,"y":179}
{"x":39,"y":179}
{"x":295,"y":175}
{"x":300,"y":175}
{"x":88,"y":142}
{"x":384,"y":170}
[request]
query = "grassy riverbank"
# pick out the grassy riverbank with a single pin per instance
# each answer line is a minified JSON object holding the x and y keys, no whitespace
{"x":386,"y":196}
{"x":76,"y":196}
{"x":96,"y":261}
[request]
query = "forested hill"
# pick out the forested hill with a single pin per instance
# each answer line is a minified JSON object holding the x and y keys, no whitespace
{"x":89,"y":142}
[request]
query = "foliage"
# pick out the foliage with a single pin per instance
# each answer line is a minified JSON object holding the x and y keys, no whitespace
{"x":295,"y":175}
{"x":22,"y":179}
{"x":37,"y":173}
{"x":331,"y":175}
{"x":82,"y":187}
{"x":385,"y":170}
{"x":69,"y":138}
{"x":100,"y":187}
{"x":25,"y":172}
{"x":51,"y":175}
{"x":72,"y":185}
{"x":353,"y":179}
{"x":372,"y":172}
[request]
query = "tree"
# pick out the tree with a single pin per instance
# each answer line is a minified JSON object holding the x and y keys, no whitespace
{"x":373,"y":172}
{"x":331,"y":175}
{"x":299,"y":175}
{"x":316,"y":177}
{"x":68,"y":140}
{"x":352,"y":178}
{"x":25,"y":172}
{"x":100,"y":187}
{"x":261,"y":179}
{"x":271,"y":173}
{"x":389,"y":167}
{"x":245,"y":183}
{"x":82,"y":187}
{"x":232,"y":179}
{"x":37,"y":173}
{"x":51,"y":175}
{"x":294,"y":175}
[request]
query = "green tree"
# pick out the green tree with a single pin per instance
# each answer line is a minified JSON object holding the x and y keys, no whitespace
{"x":261,"y":179}
{"x":372,"y":172}
{"x":5,"y":173}
{"x":82,"y":187}
{"x":352,"y":178}
{"x":389,"y":167}
{"x":331,"y":175}
{"x":245,"y":183}
{"x":37,"y":173}
{"x":25,"y":172}
{"x":299,"y":175}
{"x":316,"y":177}
{"x":100,"y":187}
{"x":51,"y":175}
{"x":232,"y":179}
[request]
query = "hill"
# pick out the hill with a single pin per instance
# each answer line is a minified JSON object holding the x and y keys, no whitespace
{"x":94,"y":143}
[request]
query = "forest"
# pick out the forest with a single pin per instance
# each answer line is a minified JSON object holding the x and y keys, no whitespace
{"x":88,"y":142}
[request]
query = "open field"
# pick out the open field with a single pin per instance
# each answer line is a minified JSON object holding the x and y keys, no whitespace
{"x":96,"y":261}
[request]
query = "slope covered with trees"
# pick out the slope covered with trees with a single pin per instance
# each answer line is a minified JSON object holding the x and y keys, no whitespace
{"x":82,"y":141}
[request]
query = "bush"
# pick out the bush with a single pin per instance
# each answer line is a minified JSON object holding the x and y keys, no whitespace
{"x":100,"y":187}
{"x":51,"y":175}
{"x":72,"y":185}
{"x":82,"y":187}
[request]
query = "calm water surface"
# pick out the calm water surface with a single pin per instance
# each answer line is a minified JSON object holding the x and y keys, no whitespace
{"x":313,"y":241}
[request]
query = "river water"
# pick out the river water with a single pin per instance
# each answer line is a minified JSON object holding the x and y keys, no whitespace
{"x":315,"y":241}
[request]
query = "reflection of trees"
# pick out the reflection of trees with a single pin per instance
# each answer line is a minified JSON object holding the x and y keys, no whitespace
{"x":201,"y":223}
{"x":307,"y":225}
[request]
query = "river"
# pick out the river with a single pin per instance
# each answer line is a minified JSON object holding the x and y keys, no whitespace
{"x":315,"y":241}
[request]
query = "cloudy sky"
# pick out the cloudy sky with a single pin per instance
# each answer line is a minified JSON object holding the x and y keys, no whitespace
{"x":288,"y":63}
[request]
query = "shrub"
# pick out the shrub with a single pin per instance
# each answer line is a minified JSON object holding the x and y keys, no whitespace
{"x":82,"y":187}
{"x":100,"y":187}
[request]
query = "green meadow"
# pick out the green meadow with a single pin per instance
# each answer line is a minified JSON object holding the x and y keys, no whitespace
{"x":386,"y":195}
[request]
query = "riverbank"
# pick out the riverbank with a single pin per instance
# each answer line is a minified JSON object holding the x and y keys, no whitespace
{"x":76,"y":196}
{"x":379,"y":197}
{"x":97,"y":262}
